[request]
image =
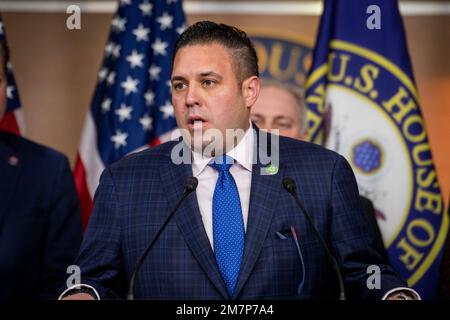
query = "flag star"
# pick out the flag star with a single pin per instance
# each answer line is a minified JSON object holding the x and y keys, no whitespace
{"x":149,"y":98}
{"x":124,"y":112}
{"x":109,"y":48}
{"x":125,"y":2}
{"x":9,"y":66}
{"x":9,"y":92}
{"x":165,"y":20}
{"x":181,"y":29}
{"x":102,"y":74}
{"x":111,"y":78}
{"x":118,"y":24}
{"x":119,"y":139}
{"x":146,"y":122}
{"x":146,"y":8}
{"x":135,"y":59}
{"x":130,"y":85}
{"x":116,"y":51}
{"x":160,"y":47}
{"x":154,"y":72}
{"x":169,"y":84}
{"x":1,"y":27}
{"x":106,"y":105}
{"x":167,"y":110}
{"x":141,"y":33}
{"x":171,"y":1}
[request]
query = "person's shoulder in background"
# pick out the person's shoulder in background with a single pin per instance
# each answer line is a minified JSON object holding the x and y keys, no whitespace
{"x":41,"y":222}
{"x":30,"y":151}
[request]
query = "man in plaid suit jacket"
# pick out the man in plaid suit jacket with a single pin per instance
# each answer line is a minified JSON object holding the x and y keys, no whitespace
{"x":215,"y":82}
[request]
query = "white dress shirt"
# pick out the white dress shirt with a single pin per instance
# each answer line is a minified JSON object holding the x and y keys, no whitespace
{"x":207,"y":176}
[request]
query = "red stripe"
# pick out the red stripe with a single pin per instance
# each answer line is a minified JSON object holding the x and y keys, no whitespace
{"x":83,"y":192}
{"x":9,"y":123}
{"x":154,"y":142}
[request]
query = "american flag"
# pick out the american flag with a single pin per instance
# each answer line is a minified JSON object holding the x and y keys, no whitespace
{"x":131,"y":108}
{"x":12,"y":120}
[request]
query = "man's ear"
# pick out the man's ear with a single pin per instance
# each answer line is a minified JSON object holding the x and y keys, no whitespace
{"x":250,"y":90}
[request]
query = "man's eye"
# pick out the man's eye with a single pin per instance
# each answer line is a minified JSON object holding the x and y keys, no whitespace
{"x":208,"y":83}
{"x":179,"y":85}
{"x":284,"y":125}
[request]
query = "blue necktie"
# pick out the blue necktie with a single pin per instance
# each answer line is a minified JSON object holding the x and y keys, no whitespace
{"x":228,"y":224}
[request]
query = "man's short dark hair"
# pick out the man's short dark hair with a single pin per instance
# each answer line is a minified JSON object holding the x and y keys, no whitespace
{"x":235,"y":40}
{"x":4,"y":53}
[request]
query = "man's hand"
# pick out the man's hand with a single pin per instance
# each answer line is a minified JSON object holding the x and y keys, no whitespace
{"x":79,"y":296}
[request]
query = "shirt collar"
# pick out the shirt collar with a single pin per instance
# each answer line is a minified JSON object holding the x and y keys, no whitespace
{"x":242,"y":154}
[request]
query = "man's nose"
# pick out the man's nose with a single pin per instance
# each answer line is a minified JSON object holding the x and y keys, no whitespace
{"x":192,"y":96}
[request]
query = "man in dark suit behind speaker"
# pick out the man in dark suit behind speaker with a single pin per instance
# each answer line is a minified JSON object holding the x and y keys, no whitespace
{"x":40,"y":223}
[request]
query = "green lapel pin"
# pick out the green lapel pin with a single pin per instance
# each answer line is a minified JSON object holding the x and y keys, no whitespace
{"x":271,"y":169}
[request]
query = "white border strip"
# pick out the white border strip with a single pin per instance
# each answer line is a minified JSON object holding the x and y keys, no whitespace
{"x":58,"y":6}
{"x":309,"y":8}
{"x":425,"y":8}
{"x":313,"y":8}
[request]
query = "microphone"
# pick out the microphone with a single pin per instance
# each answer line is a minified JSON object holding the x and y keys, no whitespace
{"x":189,"y":187}
{"x":290,"y":186}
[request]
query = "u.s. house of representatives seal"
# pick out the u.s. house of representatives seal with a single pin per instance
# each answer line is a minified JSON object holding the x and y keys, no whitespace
{"x":365,"y":107}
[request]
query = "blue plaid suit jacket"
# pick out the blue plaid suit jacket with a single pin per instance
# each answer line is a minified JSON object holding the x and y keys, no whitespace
{"x":136,"y":194}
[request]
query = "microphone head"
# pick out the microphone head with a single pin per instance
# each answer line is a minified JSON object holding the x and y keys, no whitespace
{"x":289,"y":184}
{"x":191,"y":184}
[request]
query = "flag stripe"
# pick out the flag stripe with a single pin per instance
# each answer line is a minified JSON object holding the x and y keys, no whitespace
{"x":20,"y":120}
{"x":83,"y":192}
{"x":9,"y":123}
{"x":89,"y":156}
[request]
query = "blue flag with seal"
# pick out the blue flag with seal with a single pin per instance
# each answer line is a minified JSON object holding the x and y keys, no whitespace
{"x":363,"y":103}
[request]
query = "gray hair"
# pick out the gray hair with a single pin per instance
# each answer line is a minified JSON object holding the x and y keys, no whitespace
{"x":298,"y":94}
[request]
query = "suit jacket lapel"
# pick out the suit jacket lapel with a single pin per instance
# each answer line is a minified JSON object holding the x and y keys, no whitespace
{"x":189,"y":221}
{"x":10,"y":168}
{"x":263,"y":201}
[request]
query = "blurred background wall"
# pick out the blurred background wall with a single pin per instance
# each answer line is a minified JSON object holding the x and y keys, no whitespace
{"x":56,"y":68}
